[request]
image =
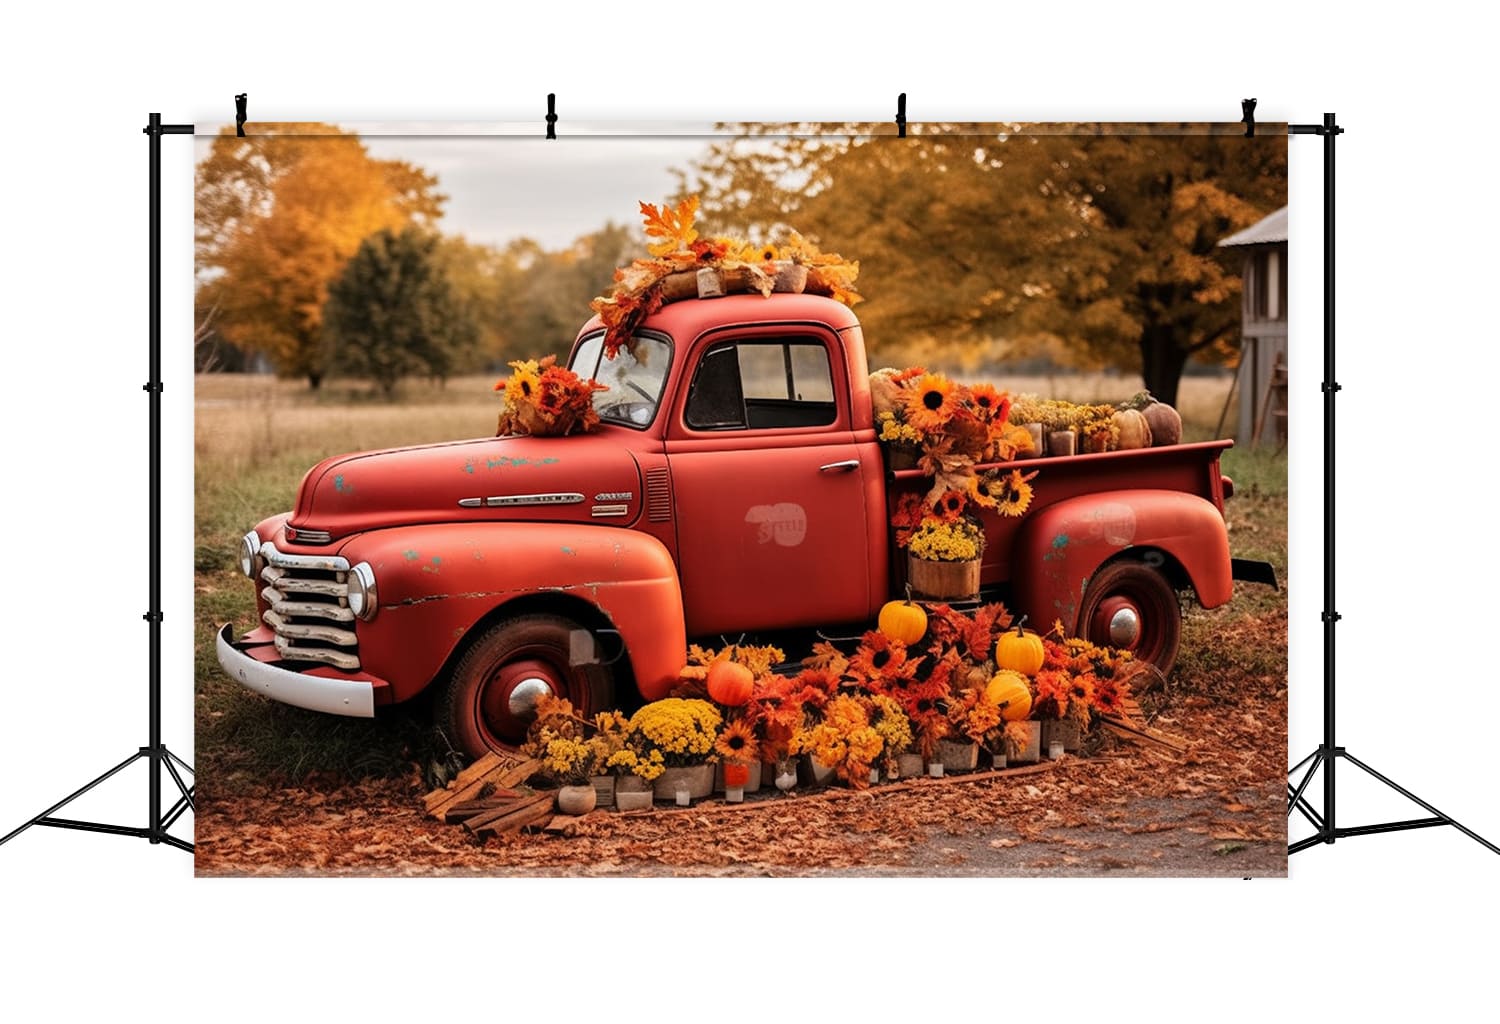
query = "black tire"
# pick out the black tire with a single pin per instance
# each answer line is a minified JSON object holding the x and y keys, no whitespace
{"x":474,"y":708}
{"x":1142,"y":588}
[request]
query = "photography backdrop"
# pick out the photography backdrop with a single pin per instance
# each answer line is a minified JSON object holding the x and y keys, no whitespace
{"x":362,"y":286}
{"x":1180,"y":61}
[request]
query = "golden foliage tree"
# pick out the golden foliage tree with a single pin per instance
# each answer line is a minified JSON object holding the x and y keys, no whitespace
{"x":279,"y":214}
{"x":1098,"y":248}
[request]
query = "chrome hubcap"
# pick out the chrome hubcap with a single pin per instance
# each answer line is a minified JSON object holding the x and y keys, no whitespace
{"x":524,"y":695}
{"x":1124,"y":627}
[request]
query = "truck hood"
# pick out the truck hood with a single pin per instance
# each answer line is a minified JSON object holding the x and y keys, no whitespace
{"x":575,"y":479}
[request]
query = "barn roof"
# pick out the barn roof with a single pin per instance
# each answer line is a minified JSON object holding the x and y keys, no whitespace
{"x":1266,"y":231}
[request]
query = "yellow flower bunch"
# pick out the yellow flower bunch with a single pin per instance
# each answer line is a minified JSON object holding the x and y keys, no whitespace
{"x":843,"y":740}
{"x":648,"y":766}
{"x":947,"y":542}
{"x":683,"y":731}
{"x":891,"y":725}
{"x":894,"y":431}
{"x":570,"y":761}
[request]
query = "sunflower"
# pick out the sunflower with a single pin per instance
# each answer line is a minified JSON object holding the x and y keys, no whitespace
{"x":949,"y":508}
{"x":522,"y":385}
{"x":1012,"y":493}
{"x":767,"y":253}
{"x":989,"y":405}
{"x":737,"y":743}
{"x":931,"y":403}
{"x":878,"y":656}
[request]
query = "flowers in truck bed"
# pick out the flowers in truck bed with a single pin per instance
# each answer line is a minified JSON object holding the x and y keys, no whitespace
{"x":937,"y":541}
{"x":546,"y":400}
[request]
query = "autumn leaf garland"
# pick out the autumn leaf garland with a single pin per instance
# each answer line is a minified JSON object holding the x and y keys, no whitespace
{"x":675,"y":246}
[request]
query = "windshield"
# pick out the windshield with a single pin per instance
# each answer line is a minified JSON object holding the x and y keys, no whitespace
{"x":634,"y":379}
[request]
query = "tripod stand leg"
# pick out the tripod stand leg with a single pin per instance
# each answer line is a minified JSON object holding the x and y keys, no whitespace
{"x":1420,"y":803}
{"x":75,"y":795}
{"x":187,"y":793}
{"x":180,"y":762}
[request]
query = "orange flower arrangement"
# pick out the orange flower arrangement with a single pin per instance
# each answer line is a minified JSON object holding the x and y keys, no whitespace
{"x":546,"y":400}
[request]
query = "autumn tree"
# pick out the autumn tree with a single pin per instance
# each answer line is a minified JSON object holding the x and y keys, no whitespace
{"x":392,"y":313}
{"x":1097,"y":248}
{"x":279,"y":213}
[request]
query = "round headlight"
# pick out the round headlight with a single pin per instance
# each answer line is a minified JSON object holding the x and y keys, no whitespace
{"x":362,"y":599}
{"x":249,"y":554}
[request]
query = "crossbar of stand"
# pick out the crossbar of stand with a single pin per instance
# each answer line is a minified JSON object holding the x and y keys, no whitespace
{"x":1329,"y":753}
{"x":155,"y":753}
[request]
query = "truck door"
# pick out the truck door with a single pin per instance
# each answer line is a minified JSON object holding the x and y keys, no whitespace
{"x":770,"y":485}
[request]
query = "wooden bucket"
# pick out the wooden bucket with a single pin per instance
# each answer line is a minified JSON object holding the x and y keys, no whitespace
{"x":943,"y":581}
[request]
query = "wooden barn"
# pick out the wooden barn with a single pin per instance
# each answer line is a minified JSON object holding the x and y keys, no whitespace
{"x":1262,"y":379}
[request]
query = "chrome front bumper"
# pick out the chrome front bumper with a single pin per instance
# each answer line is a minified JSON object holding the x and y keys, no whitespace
{"x":353,"y":698}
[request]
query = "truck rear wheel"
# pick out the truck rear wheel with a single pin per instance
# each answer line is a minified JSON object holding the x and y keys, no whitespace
{"x":1133,"y":606}
{"x":490,"y":699}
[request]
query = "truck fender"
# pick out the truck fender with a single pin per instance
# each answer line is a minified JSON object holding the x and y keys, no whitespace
{"x":1061,"y":547}
{"x":437,"y":582}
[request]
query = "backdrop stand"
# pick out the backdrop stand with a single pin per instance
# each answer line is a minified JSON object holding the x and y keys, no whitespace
{"x":1329,"y":753}
{"x":156,"y":753}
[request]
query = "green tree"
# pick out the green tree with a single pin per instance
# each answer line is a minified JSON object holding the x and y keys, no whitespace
{"x":392,"y":312}
{"x":1099,"y":249}
{"x":279,"y":213}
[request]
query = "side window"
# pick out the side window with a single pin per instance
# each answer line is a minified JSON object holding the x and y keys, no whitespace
{"x":762,"y":384}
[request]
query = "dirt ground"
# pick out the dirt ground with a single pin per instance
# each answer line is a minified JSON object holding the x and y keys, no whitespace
{"x":1131,"y":810}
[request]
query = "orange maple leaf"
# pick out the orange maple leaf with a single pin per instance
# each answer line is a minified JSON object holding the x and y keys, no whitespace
{"x":672,"y":228}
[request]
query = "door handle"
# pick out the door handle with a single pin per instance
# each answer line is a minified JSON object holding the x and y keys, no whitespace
{"x":839,"y":467}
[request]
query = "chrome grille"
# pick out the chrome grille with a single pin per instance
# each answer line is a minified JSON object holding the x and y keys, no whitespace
{"x":309,"y":610}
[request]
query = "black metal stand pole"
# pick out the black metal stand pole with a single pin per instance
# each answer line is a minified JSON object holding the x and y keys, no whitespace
{"x":156,"y":754}
{"x":1329,"y":752}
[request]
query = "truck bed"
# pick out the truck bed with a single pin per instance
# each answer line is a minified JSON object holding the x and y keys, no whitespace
{"x":1188,"y":468}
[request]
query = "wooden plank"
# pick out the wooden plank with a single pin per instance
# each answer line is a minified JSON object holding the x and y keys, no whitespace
{"x":1132,"y":731}
{"x":507,"y":807}
{"x":462,"y":810}
{"x":525,"y":812}
{"x":500,"y":772}
{"x":478,"y":769}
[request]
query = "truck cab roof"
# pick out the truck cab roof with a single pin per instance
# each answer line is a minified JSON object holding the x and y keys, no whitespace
{"x":689,"y":318}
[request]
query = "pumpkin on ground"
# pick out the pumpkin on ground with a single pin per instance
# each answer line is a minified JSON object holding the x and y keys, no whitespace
{"x":1020,"y":650}
{"x":730,"y":683}
{"x":1010,"y":690}
{"x":903,"y":621}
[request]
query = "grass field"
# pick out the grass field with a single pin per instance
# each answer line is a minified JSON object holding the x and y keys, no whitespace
{"x":256,"y":436}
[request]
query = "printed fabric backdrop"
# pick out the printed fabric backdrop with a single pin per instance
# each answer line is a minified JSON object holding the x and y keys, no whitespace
{"x":753,"y":499}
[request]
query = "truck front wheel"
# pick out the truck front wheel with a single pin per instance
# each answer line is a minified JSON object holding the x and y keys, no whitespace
{"x":490,"y":699}
{"x":1133,"y":606}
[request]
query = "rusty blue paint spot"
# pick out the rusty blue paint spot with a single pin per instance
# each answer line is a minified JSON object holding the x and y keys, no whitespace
{"x":568,"y":551}
{"x":516,"y":460}
{"x":410,"y":555}
{"x":469,"y":466}
{"x":340,"y":485}
{"x":1059,"y":544}
{"x":437,"y":560}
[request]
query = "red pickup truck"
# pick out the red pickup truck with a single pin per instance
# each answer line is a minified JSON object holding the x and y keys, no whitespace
{"x":736,"y":487}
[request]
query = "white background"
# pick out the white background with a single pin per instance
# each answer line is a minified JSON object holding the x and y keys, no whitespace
{"x":1385,"y":925}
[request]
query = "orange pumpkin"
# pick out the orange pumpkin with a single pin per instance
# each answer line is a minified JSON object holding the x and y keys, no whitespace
{"x":730,"y":683}
{"x":1012,"y":692}
{"x":1020,"y":650}
{"x":903,"y":621}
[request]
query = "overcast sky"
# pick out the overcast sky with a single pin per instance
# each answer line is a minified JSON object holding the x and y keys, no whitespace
{"x":506,"y":181}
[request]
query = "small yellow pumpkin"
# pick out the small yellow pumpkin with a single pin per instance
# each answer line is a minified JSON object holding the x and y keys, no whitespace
{"x":903,"y":620}
{"x":1012,"y":692}
{"x":1020,"y":650}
